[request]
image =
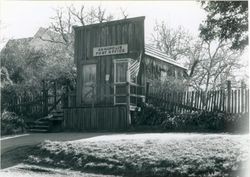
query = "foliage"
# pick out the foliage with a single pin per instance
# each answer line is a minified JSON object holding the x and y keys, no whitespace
{"x":5,"y":77}
{"x":161,"y":154}
{"x":26,"y":63}
{"x":11,"y":123}
{"x":226,"y":20}
{"x":194,"y":121}
{"x":170,"y":84}
{"x":149,"y":115}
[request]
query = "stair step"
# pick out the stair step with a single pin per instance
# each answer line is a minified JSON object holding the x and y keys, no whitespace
{"x":53,"y":113}
{"x":57,"y":114}
{"x":60,"y":111}
{"x":39,"y":126}
{"x":38,"y":130}
{"x":41,"y":123}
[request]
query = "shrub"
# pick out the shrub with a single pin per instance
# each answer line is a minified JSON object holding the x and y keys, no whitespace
{"x":11,"y":123}
{"x":194,"y":121}
{"x":149,"y":115}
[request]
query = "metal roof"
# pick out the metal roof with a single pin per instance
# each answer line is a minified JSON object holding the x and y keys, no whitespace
{"x":153,"y":52}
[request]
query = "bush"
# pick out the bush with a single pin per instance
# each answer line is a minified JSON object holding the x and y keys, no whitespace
{"x":11,"y":123}
{"x":194,"y":121}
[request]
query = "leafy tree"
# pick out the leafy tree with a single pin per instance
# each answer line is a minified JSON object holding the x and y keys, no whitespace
{"x":227,"y":21}
{"x":28,"y":66}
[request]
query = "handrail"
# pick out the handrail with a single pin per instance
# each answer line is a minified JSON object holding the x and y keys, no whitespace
{"x":54,"y":106}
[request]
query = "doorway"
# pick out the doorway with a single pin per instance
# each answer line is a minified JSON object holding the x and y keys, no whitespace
{"x":89,"y":84}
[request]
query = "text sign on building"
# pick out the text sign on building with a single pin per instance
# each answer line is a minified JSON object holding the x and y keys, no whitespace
{"x":110,"y":50}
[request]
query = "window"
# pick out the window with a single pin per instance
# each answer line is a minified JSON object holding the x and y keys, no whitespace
{"x":120,"y":79}
{"x":121,"y":68}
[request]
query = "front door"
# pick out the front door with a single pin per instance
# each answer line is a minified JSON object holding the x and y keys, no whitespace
{"x":89,"y":84}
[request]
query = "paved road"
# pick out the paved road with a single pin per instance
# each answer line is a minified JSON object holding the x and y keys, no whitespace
{"x":8,"y":144}
{"x":15,"y":149}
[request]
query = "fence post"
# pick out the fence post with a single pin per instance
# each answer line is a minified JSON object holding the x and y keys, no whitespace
{"x":45,"y":99}
{"x":242,"y":95}
{"x":55,"y":96}
{"x":147,"y":91}
{"x":228,"y":95}
{"x":67,"y":95}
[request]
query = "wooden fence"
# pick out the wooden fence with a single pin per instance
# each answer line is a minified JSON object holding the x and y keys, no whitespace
{"x":231,"y":101}
{"x":38,"y":104}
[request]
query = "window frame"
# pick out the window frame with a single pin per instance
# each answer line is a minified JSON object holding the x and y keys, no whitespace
{"x":122,"y":60}
{"x":115,"y":61}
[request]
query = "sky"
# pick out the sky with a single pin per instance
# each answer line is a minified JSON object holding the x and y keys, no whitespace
{"x":23,"y":18}
{"x":20,"y":19}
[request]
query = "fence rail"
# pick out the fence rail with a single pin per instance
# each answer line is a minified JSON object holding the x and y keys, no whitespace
{"x":231,"y":101}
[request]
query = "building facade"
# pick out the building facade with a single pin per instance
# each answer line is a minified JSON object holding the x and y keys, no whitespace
{"x":113,"y":68}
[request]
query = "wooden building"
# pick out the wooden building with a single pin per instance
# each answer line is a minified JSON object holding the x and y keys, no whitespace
{"x":113,"y":66}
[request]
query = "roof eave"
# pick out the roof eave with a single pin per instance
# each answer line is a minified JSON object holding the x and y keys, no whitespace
{"x":172,"y":63}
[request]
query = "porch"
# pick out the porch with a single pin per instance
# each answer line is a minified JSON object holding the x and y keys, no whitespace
{"x":113,"y":112}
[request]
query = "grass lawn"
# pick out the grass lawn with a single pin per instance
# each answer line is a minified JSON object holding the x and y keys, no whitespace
{"x":149,"y":154}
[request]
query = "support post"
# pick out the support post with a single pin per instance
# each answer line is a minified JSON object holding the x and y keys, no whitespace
{"x":128,"y":104}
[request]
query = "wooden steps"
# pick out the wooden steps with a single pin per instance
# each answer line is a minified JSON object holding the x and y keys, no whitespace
{"x":50,"y":123}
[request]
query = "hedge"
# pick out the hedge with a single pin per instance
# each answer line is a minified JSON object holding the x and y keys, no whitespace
{"x":194,"y":121}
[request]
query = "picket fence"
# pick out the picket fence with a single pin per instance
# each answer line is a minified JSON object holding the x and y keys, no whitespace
{"x":231,"y":101}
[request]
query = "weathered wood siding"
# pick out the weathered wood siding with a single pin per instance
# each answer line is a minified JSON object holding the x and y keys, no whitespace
{"x":128,"y":31}
{"x":97,"y":118}
{"x":155,"y":67}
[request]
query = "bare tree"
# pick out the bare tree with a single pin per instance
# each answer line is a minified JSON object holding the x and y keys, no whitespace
{"x":209,"y":63}
{"x":214,"y":65}
{"x":60,"y":30}
{"x":124,"y":13}
{"x":98,"y":15}
{"x":79,"y":14}
{"x":173,"y":42}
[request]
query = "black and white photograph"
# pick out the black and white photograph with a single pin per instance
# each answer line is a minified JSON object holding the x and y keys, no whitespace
{"x":124,"y":88}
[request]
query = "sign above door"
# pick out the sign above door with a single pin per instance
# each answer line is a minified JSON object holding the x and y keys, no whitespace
{"x":110,"y":50}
